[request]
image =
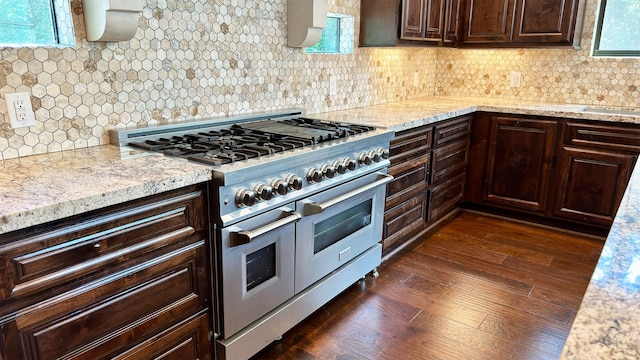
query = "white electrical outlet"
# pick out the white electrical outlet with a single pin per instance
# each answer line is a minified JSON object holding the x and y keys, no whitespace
{"x":333,"y":86}
{"x":19,"y":110}
{"x":516,"y":79}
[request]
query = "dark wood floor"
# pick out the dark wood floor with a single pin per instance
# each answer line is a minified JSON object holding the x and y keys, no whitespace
{"x":478,"y":288}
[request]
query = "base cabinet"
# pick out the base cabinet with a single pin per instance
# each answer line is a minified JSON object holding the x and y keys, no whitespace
{"x":591,"y":184}
{"x":560,"y":171}
{"x":519,"y":162}
{"x":429,"y":165}
{"x":127,"y":282}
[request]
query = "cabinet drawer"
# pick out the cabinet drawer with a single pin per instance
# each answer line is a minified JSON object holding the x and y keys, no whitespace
{"x":449,"y":131}
{"x":449,"y":161}
{"x":403,"y":220}
{"x":410,"y":144}
{"x":409,"y":183}
{"x":73,"y":251}
{"x":445,"y":197}
{"x":107,"y":315}
{"x":603,"y":136}
{"x":187,"y":340}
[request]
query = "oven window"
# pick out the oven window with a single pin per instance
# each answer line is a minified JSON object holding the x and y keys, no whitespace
{"x":339,"y":226}
{"x":261,"y":266}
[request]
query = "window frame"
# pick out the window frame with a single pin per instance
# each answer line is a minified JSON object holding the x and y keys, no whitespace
{"x":63,"y":28}
{"x":596,"y":51}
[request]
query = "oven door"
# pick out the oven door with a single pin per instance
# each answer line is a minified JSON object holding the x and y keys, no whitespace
{"x":338,"y":225}
{"x":257,"y":258}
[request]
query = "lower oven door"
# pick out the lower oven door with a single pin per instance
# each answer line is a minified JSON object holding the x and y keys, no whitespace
{"x":338,"y":225}
{"x":257,"y":257}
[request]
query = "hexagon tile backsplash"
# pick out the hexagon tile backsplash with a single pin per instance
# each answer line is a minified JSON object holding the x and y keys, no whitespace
{"x":194,"y":59}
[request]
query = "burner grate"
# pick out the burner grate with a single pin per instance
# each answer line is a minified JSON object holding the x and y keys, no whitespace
{"x":249,"y":140}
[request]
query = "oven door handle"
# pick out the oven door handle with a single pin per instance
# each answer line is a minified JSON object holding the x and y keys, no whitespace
{"x":241,"y":237}
{"x":312,"y":208}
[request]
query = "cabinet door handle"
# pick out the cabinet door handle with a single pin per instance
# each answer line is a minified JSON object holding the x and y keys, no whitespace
{"x":313,"y":208}
{"x":242,"y":237}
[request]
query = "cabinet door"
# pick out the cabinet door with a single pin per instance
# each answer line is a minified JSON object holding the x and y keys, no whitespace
{"x":488,"y":21}
{"x":434,"y":25}
{"x":413,"y":19}
{"x":591,"y":184}
{"x":540,"y":21}
{"x":519,"y":162}
{"x":451,"y":23}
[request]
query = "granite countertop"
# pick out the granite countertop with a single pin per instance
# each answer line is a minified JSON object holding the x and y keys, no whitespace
{"x":607,"y":325}
{"x":408,"y":114}
{"x":42,"y":188}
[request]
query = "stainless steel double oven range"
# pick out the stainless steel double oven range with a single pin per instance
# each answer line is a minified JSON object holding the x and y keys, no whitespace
{"x":297,"y":209}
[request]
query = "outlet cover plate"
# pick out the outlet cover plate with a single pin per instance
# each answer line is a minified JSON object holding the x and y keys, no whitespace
{"x":19,"y":110}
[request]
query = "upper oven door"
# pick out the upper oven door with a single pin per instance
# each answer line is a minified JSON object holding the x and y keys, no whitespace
{"x":257,"y":266}
{"x":337,"y":225}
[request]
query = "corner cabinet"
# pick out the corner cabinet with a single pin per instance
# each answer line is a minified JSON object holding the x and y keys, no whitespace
{"x":429,"y":165}
{"x":408,"y":22}
{"x":519,"y":162}
{"x":520,"y":22}
{"x":131,"y":281}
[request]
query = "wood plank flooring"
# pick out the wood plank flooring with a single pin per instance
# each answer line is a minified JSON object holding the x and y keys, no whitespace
{"x":478,"y":288}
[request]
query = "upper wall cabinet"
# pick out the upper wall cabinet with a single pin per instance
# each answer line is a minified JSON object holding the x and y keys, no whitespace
{"x":408,"y":22}
{"x":470,"y":23}
{"x":519,"y":22}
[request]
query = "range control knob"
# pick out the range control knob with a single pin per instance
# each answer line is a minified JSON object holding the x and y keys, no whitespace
{"x":315,"y":175}
{"x":375,"y":156}
{"x":340,"y":166}
{"x":245,"y":197}
{"x":350,"y":164}
{"x":328,"y":171}
{"x":384,"y":153}
{"x":295,"y":182}
{"x":264,"y":191}
{"x":280,"y":187}
{"x":364,"y":159}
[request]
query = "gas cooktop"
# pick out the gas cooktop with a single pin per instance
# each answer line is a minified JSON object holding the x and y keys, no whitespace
{"x":242,"y":141}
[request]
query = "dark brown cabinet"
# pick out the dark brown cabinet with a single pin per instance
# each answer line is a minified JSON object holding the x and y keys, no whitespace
{"x":519,"y":22}
{"x":557,"y":171}
{"x":591,"y":184}
{"x":428,"y":164}
{"x":520,"y":153}
{"x":408,"y":22}
{"x":594,"y":168}
{"x":127,"y":282}
{"x":487,"y":21}
{"x":406,"y":205}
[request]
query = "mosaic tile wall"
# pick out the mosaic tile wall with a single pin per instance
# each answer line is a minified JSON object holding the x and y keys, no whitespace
{"x":555,"y":75}
{"x":193,"y":59}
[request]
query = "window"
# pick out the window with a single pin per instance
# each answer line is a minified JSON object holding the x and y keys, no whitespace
{"x":617,"y":31}
{"x":35,"y":23}
{"x":337,"y":37}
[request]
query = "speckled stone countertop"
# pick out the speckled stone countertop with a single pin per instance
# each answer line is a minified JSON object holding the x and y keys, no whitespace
{"x":607,"y":325}
{"x":42,"y":188}
{"x":423,"y":111}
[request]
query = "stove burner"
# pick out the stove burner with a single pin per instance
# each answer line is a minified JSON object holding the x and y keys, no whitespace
{"x":250,"y":140}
